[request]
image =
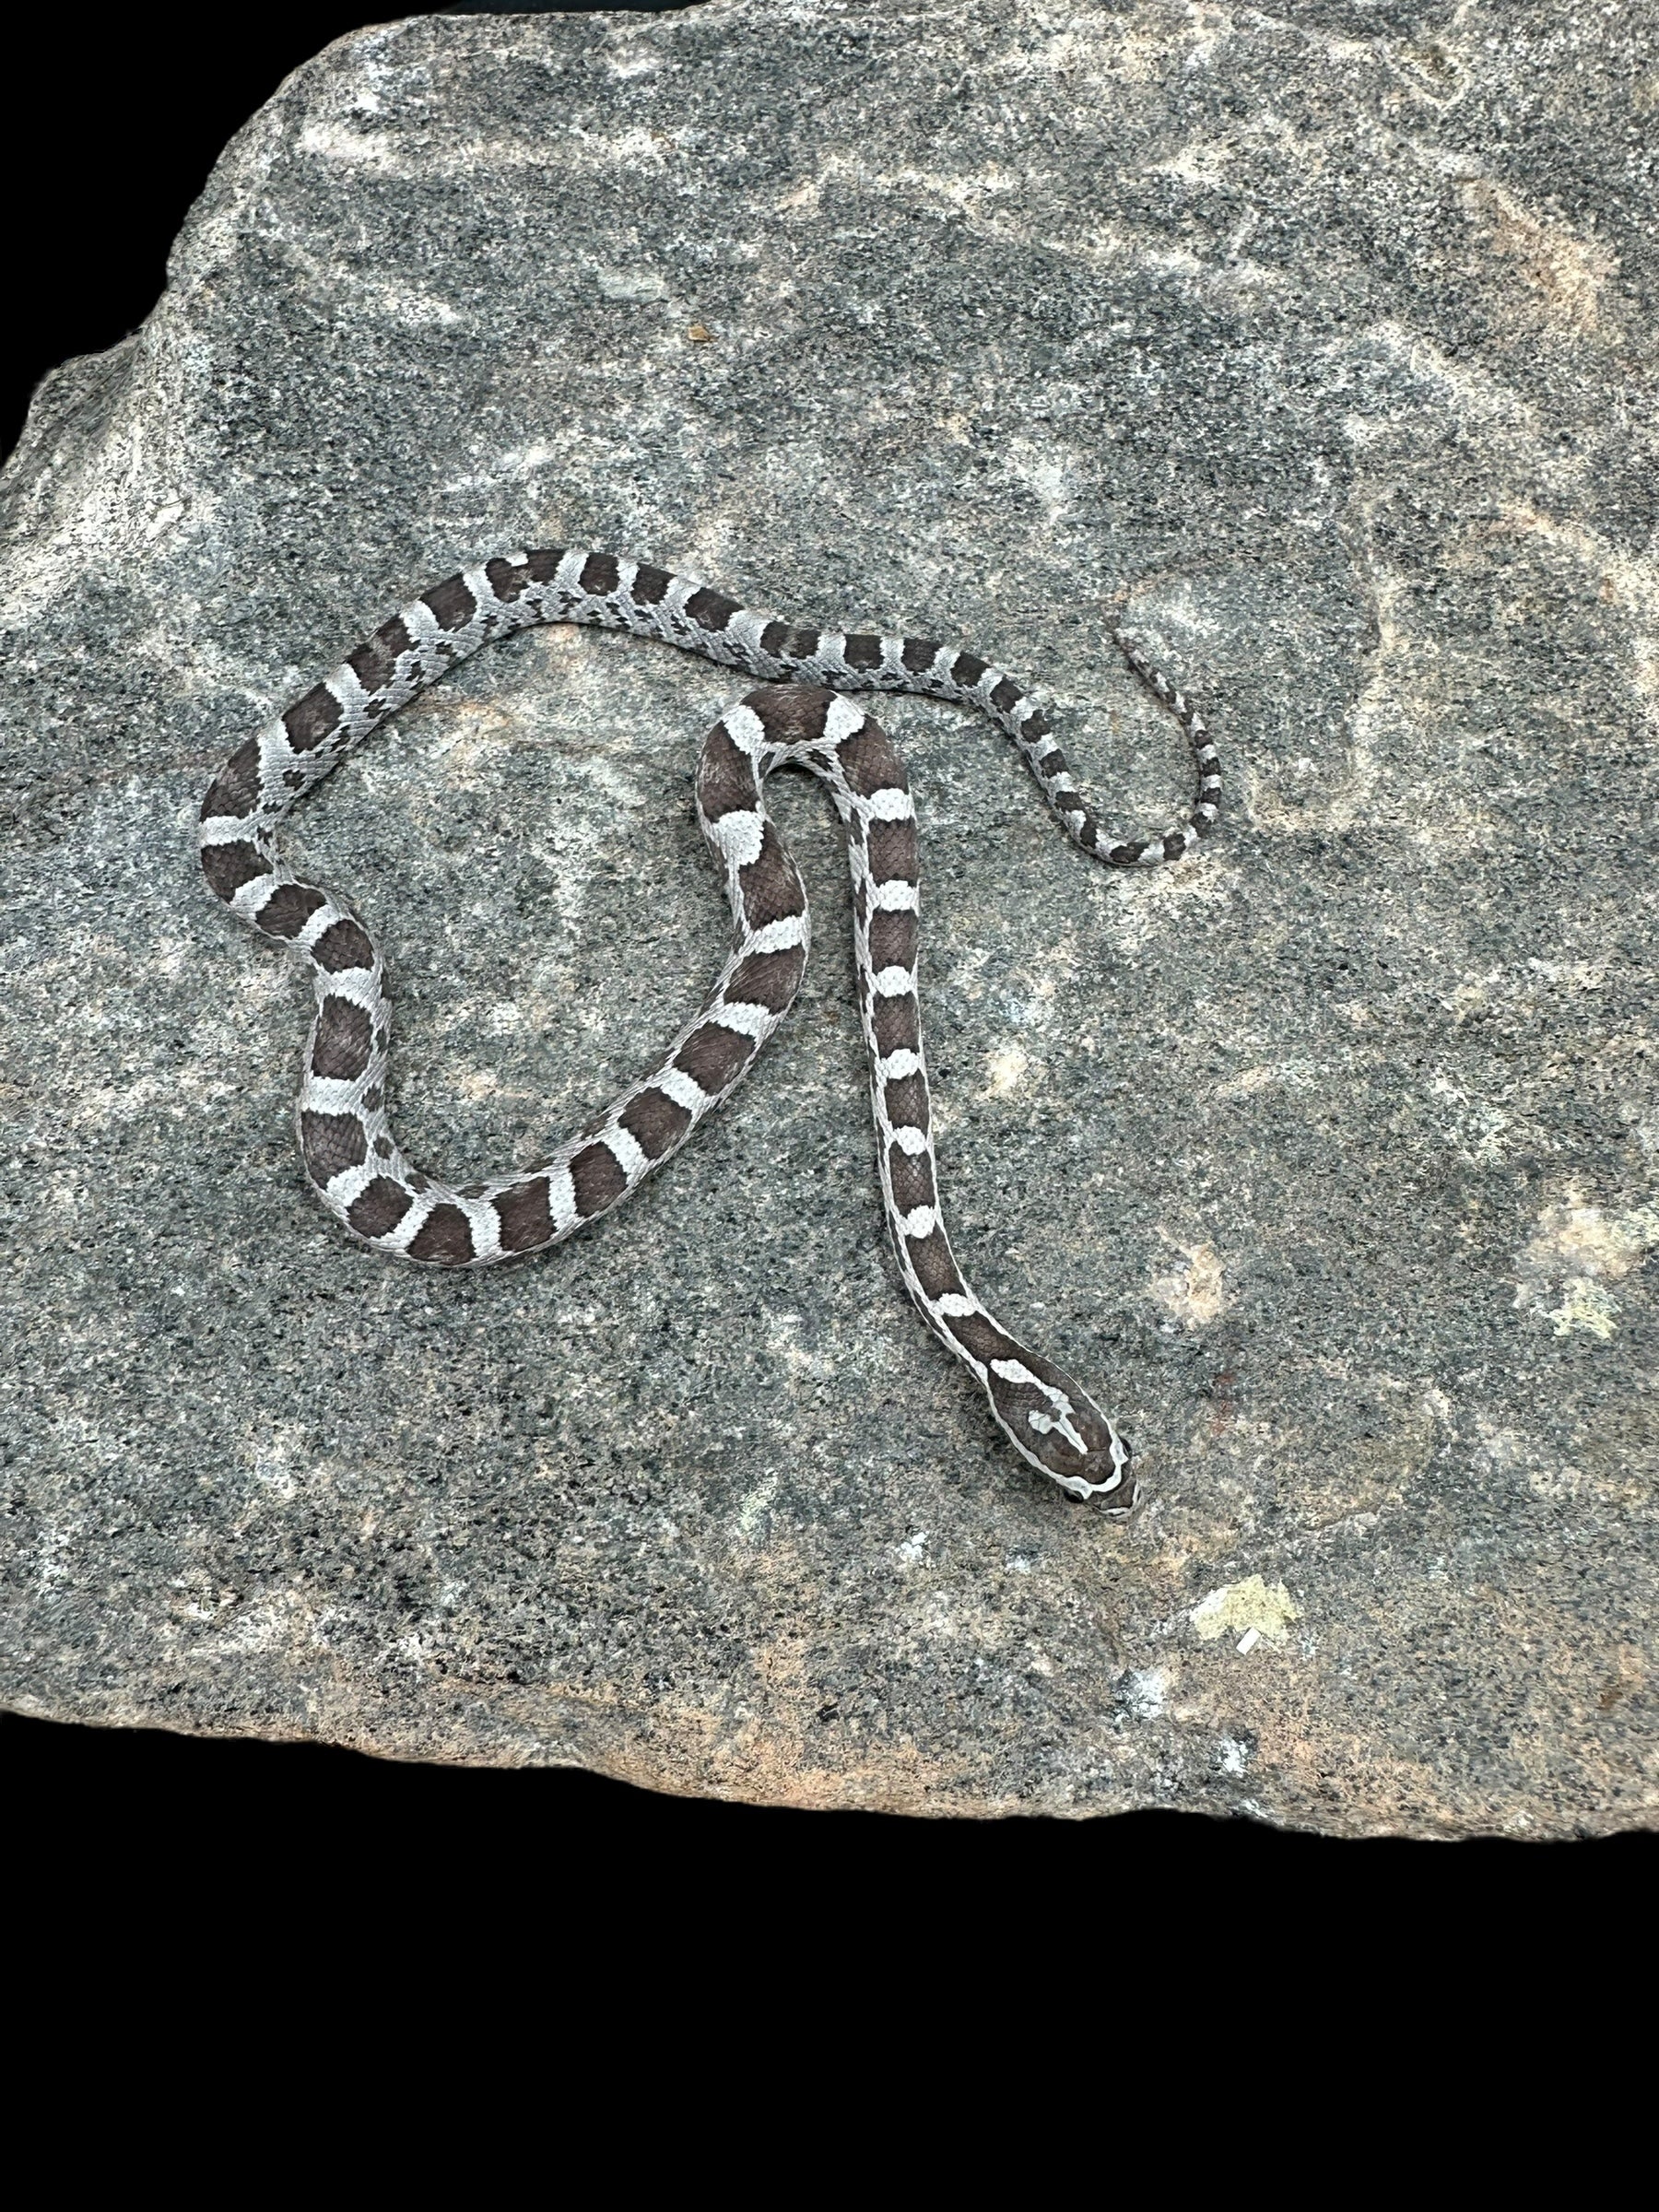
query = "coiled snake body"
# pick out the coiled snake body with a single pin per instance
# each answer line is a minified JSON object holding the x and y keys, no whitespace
{"x":798,"y":718}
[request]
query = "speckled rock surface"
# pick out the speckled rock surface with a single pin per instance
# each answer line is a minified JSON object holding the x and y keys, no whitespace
{"x":1322,"y":346}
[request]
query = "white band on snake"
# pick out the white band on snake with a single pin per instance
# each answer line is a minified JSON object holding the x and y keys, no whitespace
{"x":794,"y":720}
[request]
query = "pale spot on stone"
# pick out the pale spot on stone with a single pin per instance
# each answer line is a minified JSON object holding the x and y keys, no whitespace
{"x":1576,"y":1251}
{"x":1585,"y":976}
{"x":782,"y":1340}
{"x":1238,"y":1608}
{"x":1193,"y":1294}
{"x":1586,"y":1306}
{"x":334,"y":142}
{"x":1145,"y":1692}
{"x":1005,"y":1071}
{"x":1475,"y":1127}
{"x":478,"y":1082}
{"x":632,"y":287}
{"x":754,"y":1508}
{"x":1513,"y":1452}
{"x":1200,"y":161}
{"x":1287,"y":1074}
{"x":1566,"y":272}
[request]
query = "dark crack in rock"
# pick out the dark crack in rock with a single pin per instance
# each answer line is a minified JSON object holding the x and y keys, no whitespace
{"x":1318,"y":348}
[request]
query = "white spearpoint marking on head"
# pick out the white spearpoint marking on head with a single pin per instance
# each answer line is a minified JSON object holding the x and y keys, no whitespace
{"x":1060,"y":1426}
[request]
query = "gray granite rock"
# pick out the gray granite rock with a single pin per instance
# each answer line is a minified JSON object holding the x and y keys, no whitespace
{"x":1323,"y":346}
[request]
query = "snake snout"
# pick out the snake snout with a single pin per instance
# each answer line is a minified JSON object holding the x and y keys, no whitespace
{"x":1106,"y":1474}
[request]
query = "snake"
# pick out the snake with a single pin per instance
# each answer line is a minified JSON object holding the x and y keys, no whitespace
{"x":802,"y":714}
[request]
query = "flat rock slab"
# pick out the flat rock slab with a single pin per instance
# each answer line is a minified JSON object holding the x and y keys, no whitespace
{"x":1321,"y":351}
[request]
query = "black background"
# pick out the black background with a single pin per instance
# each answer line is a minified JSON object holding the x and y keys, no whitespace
{"x":108,"y":140}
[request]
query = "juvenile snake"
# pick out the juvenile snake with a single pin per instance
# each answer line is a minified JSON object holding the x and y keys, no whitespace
{"x":796,"y":719}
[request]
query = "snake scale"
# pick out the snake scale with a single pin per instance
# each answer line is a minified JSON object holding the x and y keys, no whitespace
{"x":801,"y":716}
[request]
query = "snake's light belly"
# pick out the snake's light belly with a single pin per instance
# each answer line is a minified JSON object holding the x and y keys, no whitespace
{"x":797,"y":718}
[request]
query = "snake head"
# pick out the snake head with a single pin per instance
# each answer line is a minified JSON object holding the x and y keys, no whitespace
{"x":1104,"y":1473}
{"x":1058,"y":1426}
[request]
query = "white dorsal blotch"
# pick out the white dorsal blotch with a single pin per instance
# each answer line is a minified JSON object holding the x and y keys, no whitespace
{"x":745,"y":729}
{"x":739,"y":836}
{"x":625,"y":1147}
{"x":844,"y":718}
{"x":894,"y":897}
{"x":890,"y":805}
